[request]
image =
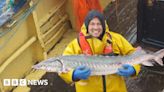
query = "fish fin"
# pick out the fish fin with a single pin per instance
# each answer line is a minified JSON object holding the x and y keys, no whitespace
{"x":60,"y":72}
{"x":72,"y":84}
{"x":159,"y":61}
{"x":159,"y":52}
{"x":147,"y":63}
{"x":158,"y":57}
{"x":64,"y":70}
{"x":139,"y":48}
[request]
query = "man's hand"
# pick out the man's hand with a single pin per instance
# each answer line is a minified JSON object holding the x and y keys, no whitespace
{"x":126,"y":71}
{"x":81,"y":72}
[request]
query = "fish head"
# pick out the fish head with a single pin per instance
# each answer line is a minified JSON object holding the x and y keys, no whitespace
{"x":50,"y":65}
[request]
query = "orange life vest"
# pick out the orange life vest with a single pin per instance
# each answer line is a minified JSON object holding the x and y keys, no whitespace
{"x":87,"y":49}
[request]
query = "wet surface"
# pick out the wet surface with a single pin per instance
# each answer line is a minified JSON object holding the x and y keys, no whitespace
{"x":150,"y":79}
{"x":55,"y":84}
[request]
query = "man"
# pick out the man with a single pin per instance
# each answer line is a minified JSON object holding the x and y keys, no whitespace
{"x":95,"y":38}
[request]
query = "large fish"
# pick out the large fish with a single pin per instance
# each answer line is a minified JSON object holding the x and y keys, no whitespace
{"x":100,"y":65}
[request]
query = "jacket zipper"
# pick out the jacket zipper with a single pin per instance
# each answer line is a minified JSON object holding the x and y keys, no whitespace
{"x":104,"y":83}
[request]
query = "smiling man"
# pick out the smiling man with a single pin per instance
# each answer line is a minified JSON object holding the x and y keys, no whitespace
{"x":95,"y":29}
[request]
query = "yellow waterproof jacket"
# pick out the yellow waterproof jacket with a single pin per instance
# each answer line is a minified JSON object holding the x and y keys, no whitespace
{"x":108,"y":83}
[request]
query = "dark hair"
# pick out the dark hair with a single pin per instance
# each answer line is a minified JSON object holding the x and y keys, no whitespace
{"x":92,"y":14}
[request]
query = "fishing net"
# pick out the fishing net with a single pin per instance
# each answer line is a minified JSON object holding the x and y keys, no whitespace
{"x":8,"y":8}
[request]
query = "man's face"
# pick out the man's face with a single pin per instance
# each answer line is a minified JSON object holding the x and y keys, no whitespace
{"x":95,"y":28}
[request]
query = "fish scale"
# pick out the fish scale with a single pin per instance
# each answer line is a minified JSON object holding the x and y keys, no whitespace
{"x":99,"y":65}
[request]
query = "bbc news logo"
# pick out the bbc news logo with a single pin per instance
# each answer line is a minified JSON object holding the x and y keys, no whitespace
{"x":24,"y":82}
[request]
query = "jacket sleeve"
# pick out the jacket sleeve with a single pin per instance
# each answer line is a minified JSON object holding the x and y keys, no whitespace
{"x":137,"y":68}
{"x":71,"y":49}
{"x":126,"y":48}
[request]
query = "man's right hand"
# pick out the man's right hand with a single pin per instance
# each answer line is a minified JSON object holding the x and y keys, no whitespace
{"x":81,"y":72}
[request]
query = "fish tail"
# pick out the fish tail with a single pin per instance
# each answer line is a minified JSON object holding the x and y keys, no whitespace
{"x":159,"y":55}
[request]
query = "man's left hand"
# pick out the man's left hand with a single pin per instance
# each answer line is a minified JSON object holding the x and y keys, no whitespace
{"x":126,"y":70}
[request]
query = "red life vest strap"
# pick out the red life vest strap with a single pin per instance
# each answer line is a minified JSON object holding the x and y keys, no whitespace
{"x":108,"y":48}
{"x":86,"y":49}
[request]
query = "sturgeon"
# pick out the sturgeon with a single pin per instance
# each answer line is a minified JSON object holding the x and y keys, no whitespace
{"x":100,"y":65}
